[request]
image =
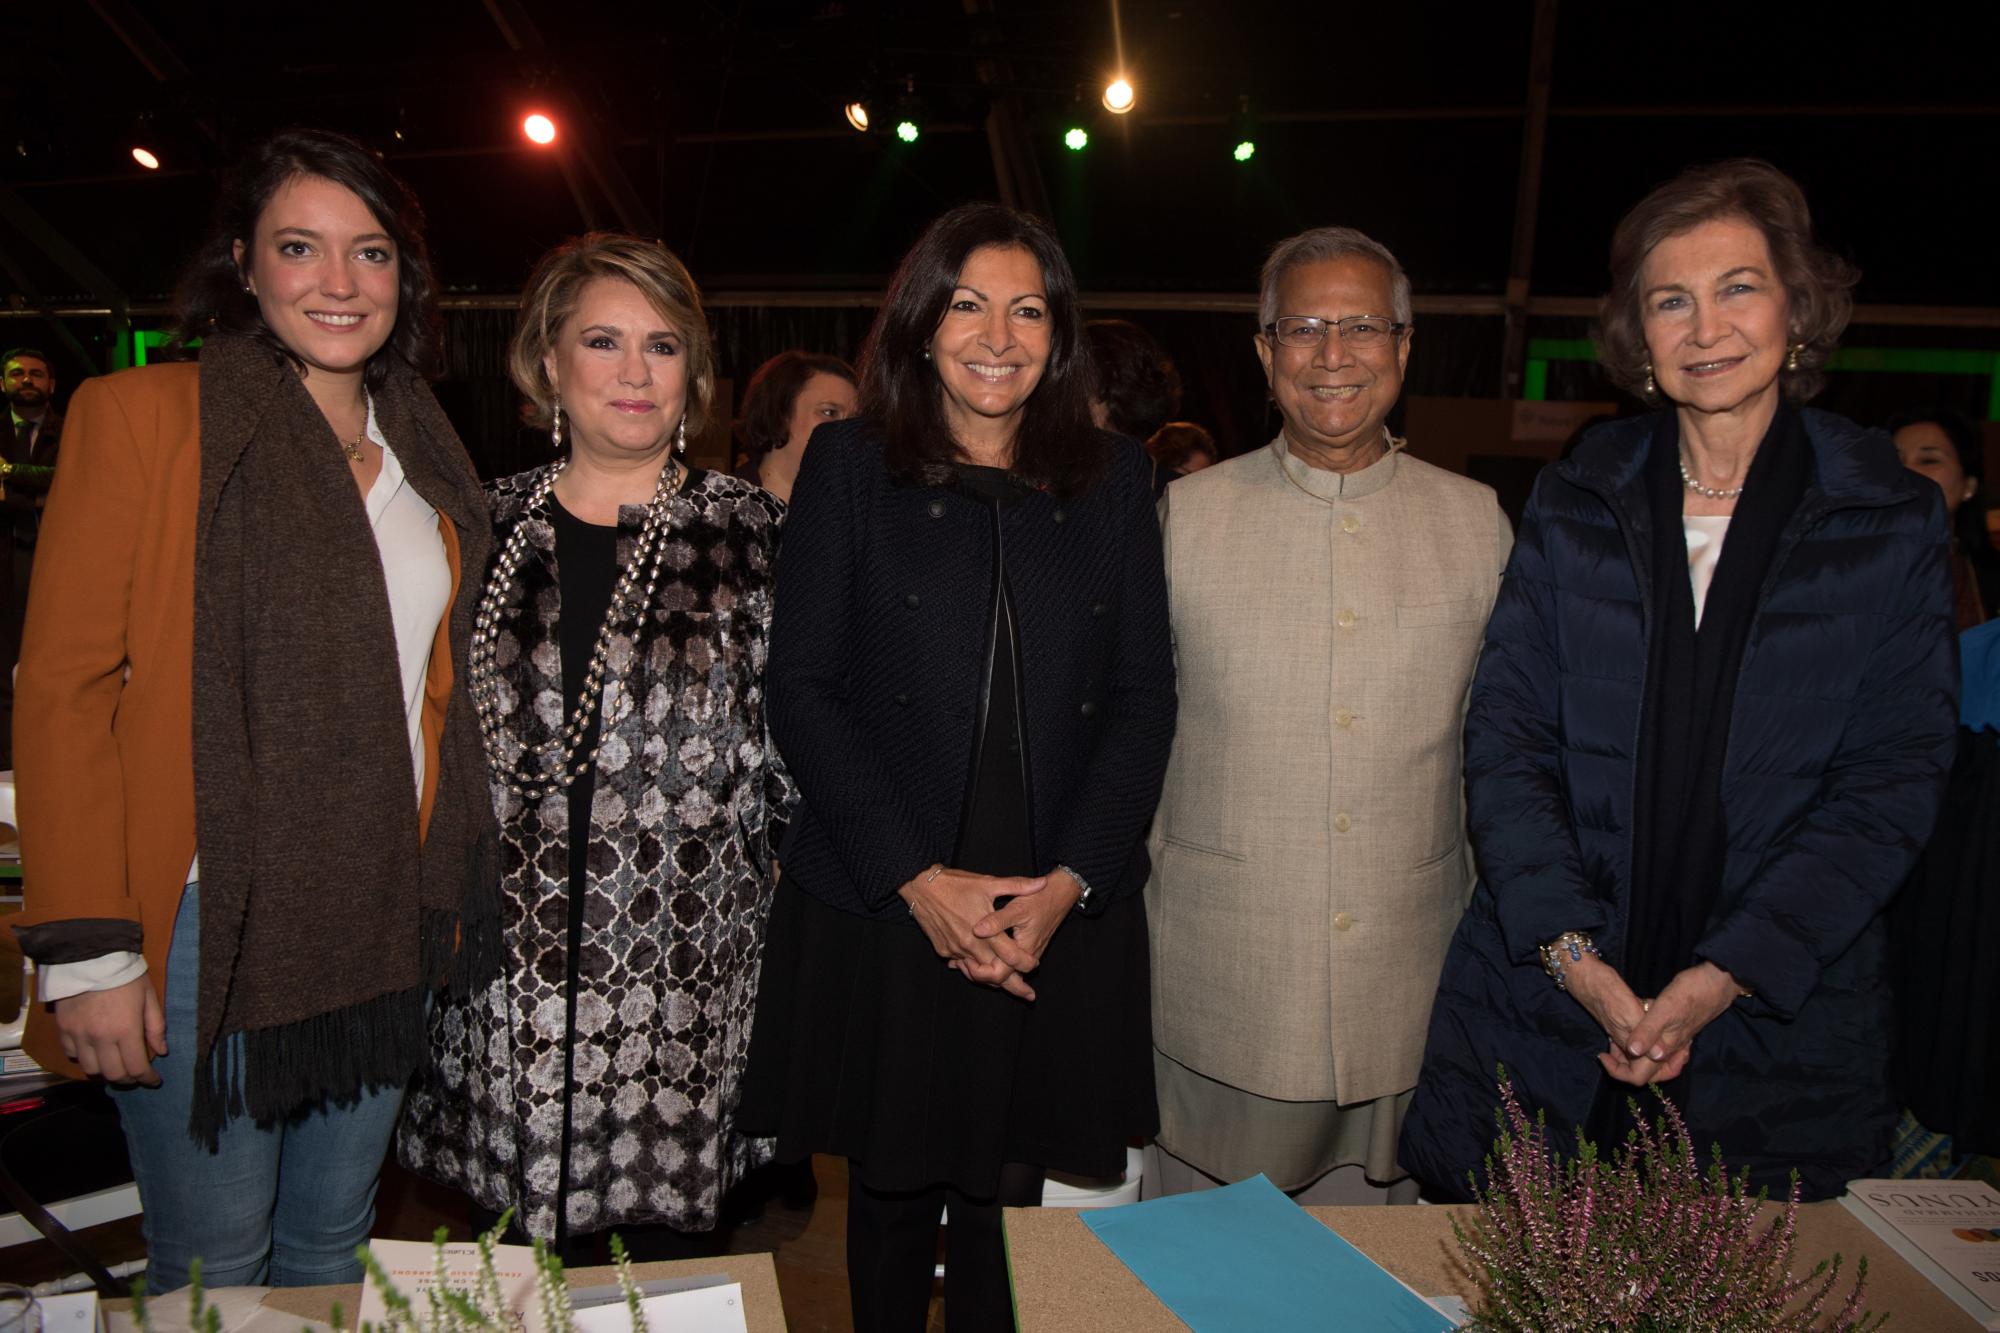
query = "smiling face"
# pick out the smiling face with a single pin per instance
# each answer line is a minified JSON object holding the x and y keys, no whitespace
{"x":1924,"y":447}
{"x":1334,"y":397}
{"x":992,"y":345}
{"x":324,"y":273}
{"x":621,"y":370}
{"x":821,"y":399}
{"x":1715,"y":316}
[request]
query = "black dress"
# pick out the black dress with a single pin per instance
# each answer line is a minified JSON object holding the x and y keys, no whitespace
{"x":867,"y":1046}
{"x":587,"y":573}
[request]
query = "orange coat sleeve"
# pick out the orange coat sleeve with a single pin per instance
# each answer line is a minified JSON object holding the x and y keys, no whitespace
{"x":68,"y":765}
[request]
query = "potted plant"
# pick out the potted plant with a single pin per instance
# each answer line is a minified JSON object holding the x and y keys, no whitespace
{"x":1644,"y":1243}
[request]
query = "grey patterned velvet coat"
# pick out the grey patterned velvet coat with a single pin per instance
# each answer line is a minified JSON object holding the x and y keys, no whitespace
{"x":688,"y":804}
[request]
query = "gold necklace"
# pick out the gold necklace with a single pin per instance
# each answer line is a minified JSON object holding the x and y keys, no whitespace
{"x":353,"y":450}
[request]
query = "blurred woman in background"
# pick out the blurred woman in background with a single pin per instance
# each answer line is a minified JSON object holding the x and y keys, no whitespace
{"x":1181,"y":447}
{"x":789,"y":396}
{"x":1946,"y":447}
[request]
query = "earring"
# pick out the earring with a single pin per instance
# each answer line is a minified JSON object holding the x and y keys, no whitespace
{"x":927,"y":354}
{"x":1651,"y":388}
{"x":681,"y":436}
{"x":555,"y":430}
{"x":1792,"y":361}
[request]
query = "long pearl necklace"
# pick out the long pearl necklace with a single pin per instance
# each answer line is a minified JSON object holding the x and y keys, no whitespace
{"x":1706,"y":492}
{"x":558,"y":762}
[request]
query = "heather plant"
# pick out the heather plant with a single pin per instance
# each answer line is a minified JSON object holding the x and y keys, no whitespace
{"x":483,"y":1309}
{"x":1644,"y":1243}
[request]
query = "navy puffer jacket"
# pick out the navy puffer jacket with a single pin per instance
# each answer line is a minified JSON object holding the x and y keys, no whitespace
{"x":1839,"y":744}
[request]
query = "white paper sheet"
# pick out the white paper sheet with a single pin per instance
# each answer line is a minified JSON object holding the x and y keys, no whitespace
{"x":706,"y":1310}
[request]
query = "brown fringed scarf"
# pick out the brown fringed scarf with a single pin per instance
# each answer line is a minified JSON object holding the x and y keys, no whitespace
{"x":324,"y":916}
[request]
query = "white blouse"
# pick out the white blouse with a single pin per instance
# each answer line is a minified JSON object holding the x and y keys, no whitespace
{"x":1704,"y":541}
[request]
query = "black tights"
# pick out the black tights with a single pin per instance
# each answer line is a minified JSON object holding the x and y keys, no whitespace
{"x":892,"y":1253}
{"x":644,"y":1242}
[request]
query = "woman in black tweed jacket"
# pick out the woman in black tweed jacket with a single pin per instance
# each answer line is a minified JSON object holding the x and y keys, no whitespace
{"x":971,"y":682}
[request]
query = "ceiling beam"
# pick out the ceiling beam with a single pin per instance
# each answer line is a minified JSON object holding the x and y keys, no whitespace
{"x":142,"y":40}
{"x":51,"y":242}
{"x":1015,"y":170}
{"x":805,"y":297}
{"x":38,"y":306}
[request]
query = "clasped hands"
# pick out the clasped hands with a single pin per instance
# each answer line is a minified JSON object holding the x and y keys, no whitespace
{"x":1650,"y":1040}
{"x":992,"y":946}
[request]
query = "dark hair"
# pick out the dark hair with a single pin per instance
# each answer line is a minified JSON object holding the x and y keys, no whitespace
{"x":1818,"y":283}
{"x":1056,"y":445}
{"x":16,"y":353}
{"x":1132,"y":375}
{"x":1969,"y":524}
{"x":212,"y":293}
{"x":1174,"y":443}
{"x":773,"y":394}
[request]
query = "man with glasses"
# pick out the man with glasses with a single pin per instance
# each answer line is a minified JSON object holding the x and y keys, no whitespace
{"x":1328,"y":594}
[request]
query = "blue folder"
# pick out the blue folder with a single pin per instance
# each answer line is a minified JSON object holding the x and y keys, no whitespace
{"x":1245,"y":1257}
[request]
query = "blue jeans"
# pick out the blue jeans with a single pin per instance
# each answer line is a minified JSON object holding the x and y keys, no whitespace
{"x":281,"y":1205}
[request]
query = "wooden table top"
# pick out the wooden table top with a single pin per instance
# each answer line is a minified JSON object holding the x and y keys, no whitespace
{"x":1065,"y":1279}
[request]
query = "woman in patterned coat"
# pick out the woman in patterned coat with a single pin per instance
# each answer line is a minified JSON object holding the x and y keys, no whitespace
{"x":618,"y":672}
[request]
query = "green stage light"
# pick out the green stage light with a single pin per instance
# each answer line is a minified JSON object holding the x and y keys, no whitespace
{"x":1244,"y":150}
{"x":1076,"y":139}
{"x":906,"y":130}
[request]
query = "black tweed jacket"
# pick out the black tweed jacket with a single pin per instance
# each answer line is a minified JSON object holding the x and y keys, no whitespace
{"x":876,"y":644}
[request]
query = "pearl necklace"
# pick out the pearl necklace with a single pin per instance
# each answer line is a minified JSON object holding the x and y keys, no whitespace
{"x":558,"y":762}
{"x":1706,"y":492}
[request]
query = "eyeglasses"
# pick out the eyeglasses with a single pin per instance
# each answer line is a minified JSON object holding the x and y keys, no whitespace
{"x":1355,"y":330}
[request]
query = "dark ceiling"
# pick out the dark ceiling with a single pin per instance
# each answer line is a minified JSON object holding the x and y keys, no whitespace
{"x":718,"y":125}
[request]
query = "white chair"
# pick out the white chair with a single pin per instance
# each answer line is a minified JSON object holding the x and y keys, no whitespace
{"x":1060,"y":1191}
{"x":11,"y":1028}
{"x":1066,"y":1191}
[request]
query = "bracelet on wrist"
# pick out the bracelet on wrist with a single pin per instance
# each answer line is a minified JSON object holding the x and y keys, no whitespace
{"x":1082,"y":884}
{"x":1568,"y":947}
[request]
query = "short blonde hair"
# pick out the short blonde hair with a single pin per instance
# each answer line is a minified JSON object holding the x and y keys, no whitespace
{"x":556,"y":287}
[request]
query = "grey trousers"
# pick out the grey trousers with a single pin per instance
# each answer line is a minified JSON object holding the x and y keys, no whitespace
{"x":1168,"y":1174}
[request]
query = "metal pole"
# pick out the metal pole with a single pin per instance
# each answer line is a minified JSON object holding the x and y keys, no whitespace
{"x":1527,"y":198}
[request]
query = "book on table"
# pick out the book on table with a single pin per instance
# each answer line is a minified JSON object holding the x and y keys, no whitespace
{"x":1948,"y":1230}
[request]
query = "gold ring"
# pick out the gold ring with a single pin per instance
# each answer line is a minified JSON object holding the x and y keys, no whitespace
{"x":1646,"y":1005}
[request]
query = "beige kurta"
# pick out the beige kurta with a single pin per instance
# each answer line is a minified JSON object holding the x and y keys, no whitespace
{"x":1309,"y":856}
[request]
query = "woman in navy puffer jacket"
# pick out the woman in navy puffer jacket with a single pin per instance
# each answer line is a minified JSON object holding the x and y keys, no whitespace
{"x":1709,"y":732}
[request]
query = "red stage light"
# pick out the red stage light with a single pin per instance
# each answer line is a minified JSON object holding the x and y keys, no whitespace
{"x":539,"y":129}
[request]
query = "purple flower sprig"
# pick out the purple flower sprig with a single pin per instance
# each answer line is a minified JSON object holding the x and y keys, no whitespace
{"x":1646,"y":1242}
